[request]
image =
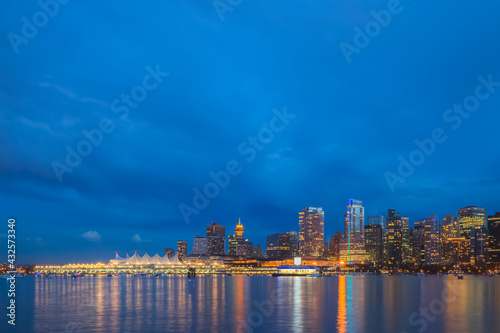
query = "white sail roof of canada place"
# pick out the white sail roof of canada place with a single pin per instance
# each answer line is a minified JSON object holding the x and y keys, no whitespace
{"x":146,"y":259}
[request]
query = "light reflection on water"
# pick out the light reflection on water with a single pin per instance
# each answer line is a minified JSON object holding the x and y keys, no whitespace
{"x":257,"y":304}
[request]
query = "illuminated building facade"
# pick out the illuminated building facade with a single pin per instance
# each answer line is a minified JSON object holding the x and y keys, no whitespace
{"x":199,"y":245}
{"x":354,"y":222}
{"x":258,"y":252}
{"x":353,"y":252}
{"x":418,"y":242}
{"x":334,"y":246}
{"x":169,"y":252}
{"x":374,"y":242}
{"x":451,"y":226}
{"x":181,"y":249}
{"x":215,"y":245}
{"x":238,"y":246}
{"x":216,"y":236}
{"x":478,"y":245}
{"x":456,"y":250}
{"x":494,"y":232}
{"x":311,"y":232}
{"x":394,"y":238}
{"x":376,"y":220}
{"x":278,"y":246}
{"x":294,"y":243}
{"x":432,"y":240}
{"x":469,"y":218}
{"x":406,"y":232}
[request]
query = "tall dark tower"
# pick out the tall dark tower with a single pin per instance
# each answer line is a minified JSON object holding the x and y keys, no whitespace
{"x":394,"y":238}
{"x":216,"y":239}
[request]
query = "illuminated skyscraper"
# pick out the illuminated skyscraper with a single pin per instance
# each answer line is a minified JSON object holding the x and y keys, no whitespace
{"x":478,"y":245}
{"x":354,"y":218}
{"x":199,"y":245}
{"x":394,"y":238}
{"x":215,"y":245}
{"x":216,"y":236}
{"x":294,"y":243}
{"x":278,"y":246}
{"x":354,"y":224}
{"x":418,"y":242}
{"x":494,"y":231}
{"x":376,"y":220}
{"x":469,"y":218}
{"x":456,"y":250}
{"x":181,"y":249}
{"x":374,"y":242}
{"x":311,"y":231}
{"x":406,"y":231}
{"x":432,"y":240}
{"x":451,"y":226}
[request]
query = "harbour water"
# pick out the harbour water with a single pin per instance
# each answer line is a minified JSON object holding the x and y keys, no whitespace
{"x":255,"y":304}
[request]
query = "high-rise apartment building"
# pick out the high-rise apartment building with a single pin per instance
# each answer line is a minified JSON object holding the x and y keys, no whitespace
{"x":294,"y":243}
{"x":406,"y":232}
{"x":199,"y":245}
{"x":494,"y":238}
{"x":432,"y":240}
{"x":451,"y":226}
{"x":478,"y":245}
{"x":181,"y":249}
{"x":311,"y":231}
{"x":418,"y":242}
{"x":216,"y":239}
{"x":374,"y":242}
{"x":394,"y":238}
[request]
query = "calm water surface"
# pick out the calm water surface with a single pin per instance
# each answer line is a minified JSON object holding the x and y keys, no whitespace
{"x":255,"y":304}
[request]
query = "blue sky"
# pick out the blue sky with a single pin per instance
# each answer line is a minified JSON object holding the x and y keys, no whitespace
{"x":227,"y":72}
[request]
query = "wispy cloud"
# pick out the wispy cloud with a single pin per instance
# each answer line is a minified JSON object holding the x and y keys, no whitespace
{"x":72,"y":95}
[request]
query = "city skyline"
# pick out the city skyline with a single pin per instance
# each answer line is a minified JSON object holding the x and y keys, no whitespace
{"x":193,"y":247}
